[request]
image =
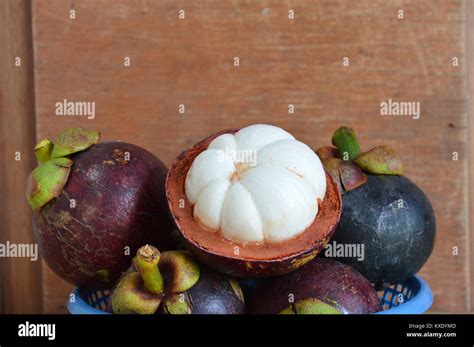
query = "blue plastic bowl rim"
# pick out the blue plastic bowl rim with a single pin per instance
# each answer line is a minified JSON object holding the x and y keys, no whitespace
{"x":420,"y":303}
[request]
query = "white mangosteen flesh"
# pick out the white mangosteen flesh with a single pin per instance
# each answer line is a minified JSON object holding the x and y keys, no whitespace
{"x":259,"y":185}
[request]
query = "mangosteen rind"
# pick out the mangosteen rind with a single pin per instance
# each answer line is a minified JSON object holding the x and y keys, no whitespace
{"x":214,"y":293}
{"x":119,"y":205}
{"x":238,"y":265}
{"x":329,"y":281}
{"x":394,"y":221}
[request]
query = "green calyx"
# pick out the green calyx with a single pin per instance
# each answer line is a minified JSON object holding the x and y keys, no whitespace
{"x":74,"y":140}
{"x":180,"y":270}
{"x":43,"y":150}
{"x":352,"y":176}
{"x":310,"y":306}
{"x":177,"y":304}
{"x":126,"y":299}
{"x":380,"y":160}
{"x":166,"y":276}
{"x":48,"y":179}
{"x":348,"y":166}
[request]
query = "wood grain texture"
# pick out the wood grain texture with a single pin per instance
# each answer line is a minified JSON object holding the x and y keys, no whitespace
{"x":20,"y":285}
{"x":470,"y":80}
{"x":282,"y":62}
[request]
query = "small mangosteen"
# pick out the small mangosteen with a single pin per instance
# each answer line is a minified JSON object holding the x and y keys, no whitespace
{"x":96,"y":203}
{"x":322,"y":286}
{"x":253,"y":202}
{"x":173,"y":283}
{"x":214,"y":293}
{"x":381,"y":209}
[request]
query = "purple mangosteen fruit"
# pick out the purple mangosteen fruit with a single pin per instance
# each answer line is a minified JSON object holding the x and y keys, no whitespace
{"x":94,"y":203}
{"x":322,"y":286}
{"x":381,"y":210}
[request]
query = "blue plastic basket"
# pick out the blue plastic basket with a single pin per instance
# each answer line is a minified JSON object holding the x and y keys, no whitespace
{"x":414,"y":296}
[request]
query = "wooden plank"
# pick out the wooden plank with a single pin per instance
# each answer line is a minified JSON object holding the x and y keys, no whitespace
{"x":282,"y":62}
{"x":21,"y":278}
{"x":470,"y":81}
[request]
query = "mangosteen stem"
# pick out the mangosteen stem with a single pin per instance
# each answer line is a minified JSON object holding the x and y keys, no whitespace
{"x":345,"y":140}
{"x":146,"y":263}
{"x":43,"y":150}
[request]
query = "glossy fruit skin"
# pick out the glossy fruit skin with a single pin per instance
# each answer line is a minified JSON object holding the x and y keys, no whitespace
{"x":214,"y":294}
{"x":394,"y":220}
{"x":118,"y":203}
{"x":328,"y":280}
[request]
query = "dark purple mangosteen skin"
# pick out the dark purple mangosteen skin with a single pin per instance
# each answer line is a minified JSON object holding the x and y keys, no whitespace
{"x":214,"y":294}
{"x":398,"y":239}
{"x":328,"y":280}
{"x":119,"y":204}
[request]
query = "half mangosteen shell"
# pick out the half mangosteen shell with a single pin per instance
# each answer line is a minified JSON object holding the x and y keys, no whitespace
{"x":249,"y":260}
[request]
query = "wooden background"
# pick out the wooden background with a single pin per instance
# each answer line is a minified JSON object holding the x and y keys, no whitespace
{"x":282,"y":62}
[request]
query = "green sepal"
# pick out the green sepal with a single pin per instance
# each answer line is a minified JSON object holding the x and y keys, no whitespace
{"x":47,"y":181}
{"x":177,"y":304}
{"x":381,"y":160}
{"x":43,"y":150}
{"x":129,"y":296}
{"x":310,"y":306}
{"x":74,"y":140}
{"x":314,"y":306}
{"x":352,"y":176}
{"x":179,"y":269}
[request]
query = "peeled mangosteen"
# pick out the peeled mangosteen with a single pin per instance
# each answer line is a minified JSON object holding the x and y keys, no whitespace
{"x":173,"y":283}
{"x":382,"y":210}
{"x":322,"y":286}
{"x":94,"y":204}
{"x":253,"y":202}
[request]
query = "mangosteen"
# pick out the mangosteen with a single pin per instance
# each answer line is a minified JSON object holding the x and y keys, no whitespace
{"x":381,"y":210}
{"x":322,"y":286}
{"x":214,"y":293}
{"x":94,"y":204}
{"x":253,"y":202}
{"x":173,"y":283}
